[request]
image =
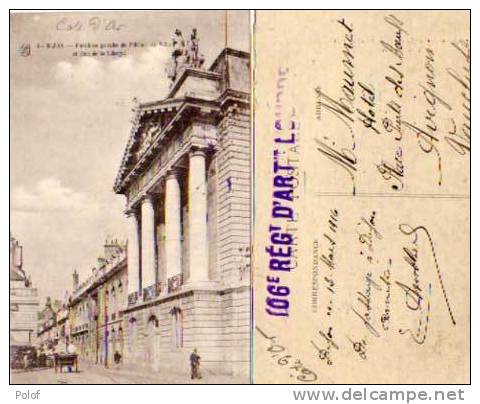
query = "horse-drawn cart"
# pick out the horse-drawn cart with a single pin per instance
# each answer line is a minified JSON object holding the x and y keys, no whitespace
{"x":69,"y":360}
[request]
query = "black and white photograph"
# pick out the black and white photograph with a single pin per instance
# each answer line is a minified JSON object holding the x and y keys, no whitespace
{"x":130,"y":197}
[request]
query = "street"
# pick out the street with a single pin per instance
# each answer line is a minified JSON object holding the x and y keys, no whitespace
{"x":97,"y":374}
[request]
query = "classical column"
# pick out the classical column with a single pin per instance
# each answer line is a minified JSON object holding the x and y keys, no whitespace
{"x":148,"y":243}
{"x":173,"y":245}
{"x":133,"y":254}
{"x":197,"y":201}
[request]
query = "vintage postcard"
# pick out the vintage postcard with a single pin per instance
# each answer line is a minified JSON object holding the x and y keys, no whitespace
{"x":130,"y":190}
{"x":362,"y":197}
{"x":267,"y":197}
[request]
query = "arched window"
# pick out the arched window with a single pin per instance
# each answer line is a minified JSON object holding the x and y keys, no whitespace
{"x":120,"y":336}
{"x":118,"y":354}
{"x":113,"y":303}
{"x":153,"y":320}
{"x":120,"y":293}
{"x":106,"y":305}
{"x":177,"y":327}
{"x":131,"y":333}
{"x":150,"y":338}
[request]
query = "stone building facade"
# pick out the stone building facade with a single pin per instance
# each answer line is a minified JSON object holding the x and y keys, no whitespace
{"x":95,"y":308}
{"x":52,"y":325}
{"x":24,"y":302}
{"x":186,"y":177}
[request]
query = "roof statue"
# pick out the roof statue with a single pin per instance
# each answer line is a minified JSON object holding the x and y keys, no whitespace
{"x":185,"y":54}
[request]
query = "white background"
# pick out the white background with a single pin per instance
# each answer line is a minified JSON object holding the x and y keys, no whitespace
{"x":72,"y":394}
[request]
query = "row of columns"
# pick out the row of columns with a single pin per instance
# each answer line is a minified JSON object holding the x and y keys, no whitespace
{"x":198,"y":246}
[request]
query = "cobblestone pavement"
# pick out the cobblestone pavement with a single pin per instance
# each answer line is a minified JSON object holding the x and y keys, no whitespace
{"x":97,"y":374}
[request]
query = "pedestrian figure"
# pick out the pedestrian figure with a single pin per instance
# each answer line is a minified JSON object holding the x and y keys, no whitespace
{"x":195,"y":364}
{"x":71,"y":350}
{"x":26,"y":361}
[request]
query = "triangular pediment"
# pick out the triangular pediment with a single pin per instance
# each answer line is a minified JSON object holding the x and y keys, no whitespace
{"x":195,"y":92}
{"x":150,"y":119}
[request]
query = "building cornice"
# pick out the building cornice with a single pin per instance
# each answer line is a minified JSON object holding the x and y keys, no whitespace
{"x":186,"y":291}
{"x":122,"y":264}
{"x":200,"y":73}
{"x":229,"y":51}
{"x":172,"y":104}
{"x":189,"y":105}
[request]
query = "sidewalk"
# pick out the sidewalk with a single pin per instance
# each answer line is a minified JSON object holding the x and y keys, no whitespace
{"x":98,"y":374}
{"x":170,"y":377}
